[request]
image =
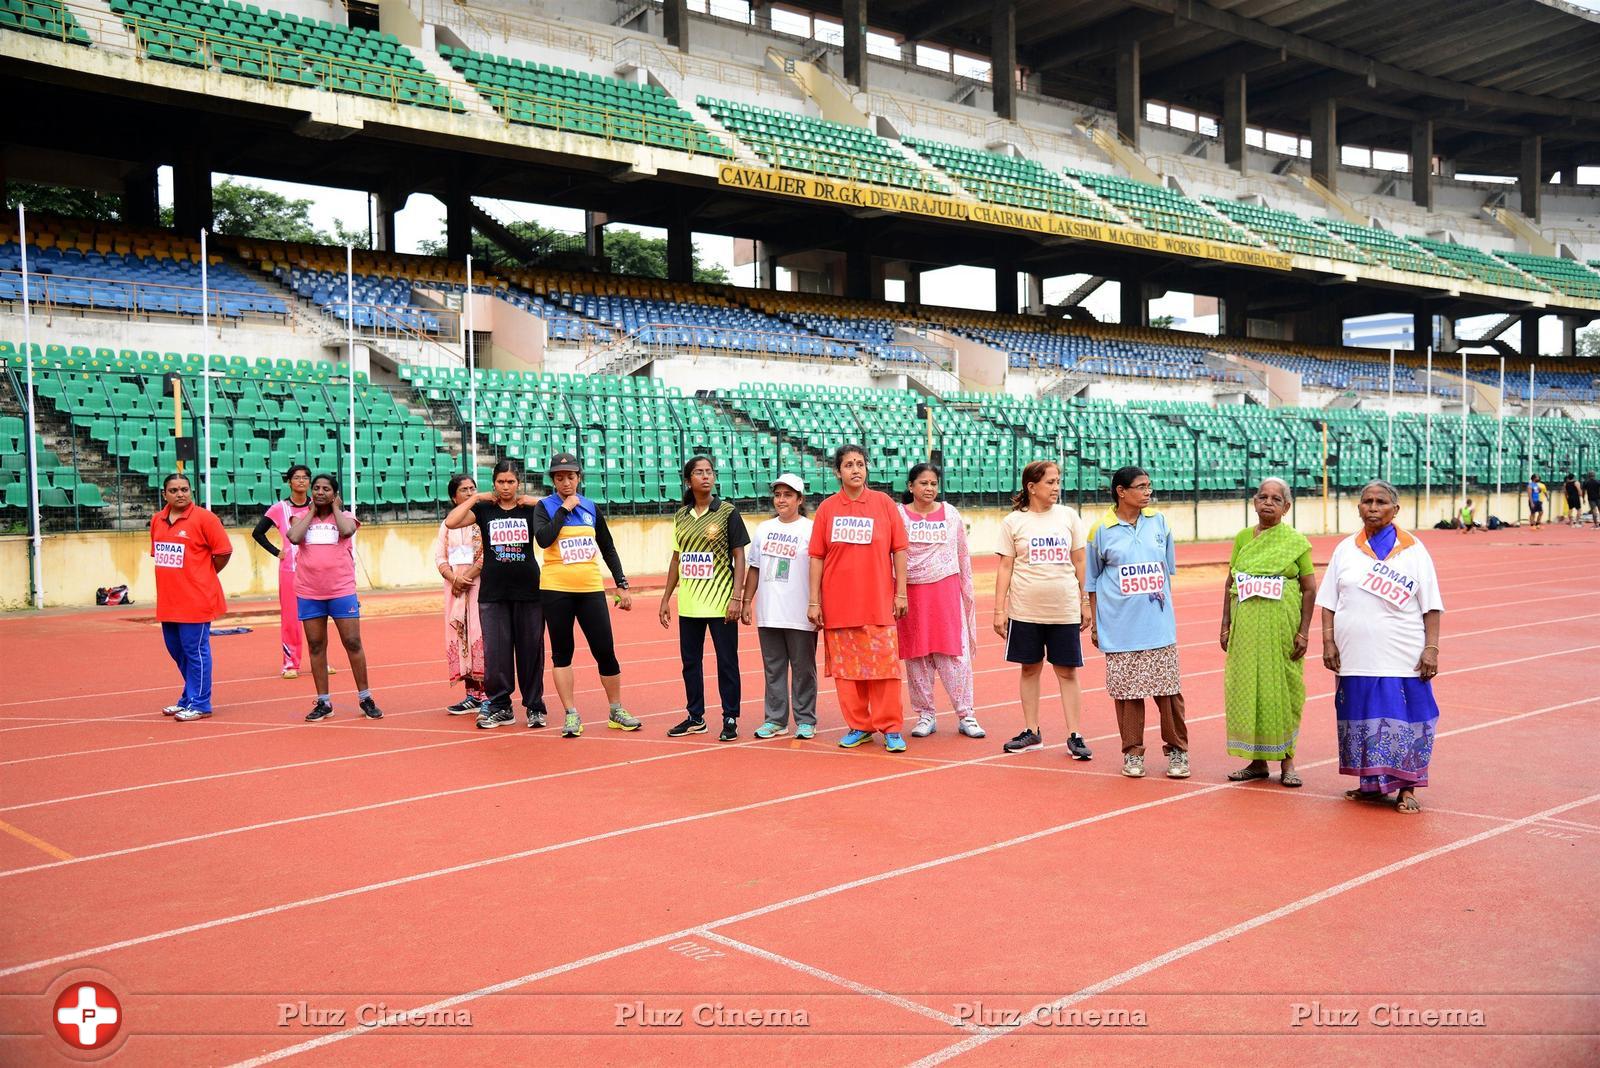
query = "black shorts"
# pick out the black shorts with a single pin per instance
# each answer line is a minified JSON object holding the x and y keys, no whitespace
{"x":1029,"y":643}
{"x":1535,"y":509}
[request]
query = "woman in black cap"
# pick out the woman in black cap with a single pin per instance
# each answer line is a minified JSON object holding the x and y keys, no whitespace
{"x":573,"y":535}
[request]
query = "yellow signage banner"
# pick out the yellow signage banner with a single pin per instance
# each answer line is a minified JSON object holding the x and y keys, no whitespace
{"x":910,"y":201}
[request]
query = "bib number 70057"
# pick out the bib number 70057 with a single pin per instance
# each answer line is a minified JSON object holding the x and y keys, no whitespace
{"x":1388,"y":583}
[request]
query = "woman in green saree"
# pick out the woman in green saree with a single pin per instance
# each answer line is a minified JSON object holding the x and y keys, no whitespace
{"x":1267,"y":603}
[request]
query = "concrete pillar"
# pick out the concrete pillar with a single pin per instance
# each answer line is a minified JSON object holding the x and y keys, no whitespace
{"x":191,"y":194}
{"x":1422,"y":164}
{"x":594,"y":233}
{"x":766,"y":266}
{"x":389,"y":203}
{"x":1529,"y":343}
{"x":1236,"y":312}
{"x":1130,"y":96}
{"x":1569,"y":170}
{"x":675,"y":23}
{"x":855,"y":43}
{"x":1325,"y":143}
{"x":1003,"y":59}
{"x":913,"y":285}
{"x":141,"y":204}
{"x":761,"y":15}
{"x":1135,"y":299}
{"x":1235,"y":117}
{"x":680,"y":251}
{"x":1421,"y":328}
{"x":1531,"y":178}
{"x":457,"y":224}
{"x":1447,"y":335}
{"x":1569,"y":336}
{"x":1033,"y":304}
{"x":1005,"y":286}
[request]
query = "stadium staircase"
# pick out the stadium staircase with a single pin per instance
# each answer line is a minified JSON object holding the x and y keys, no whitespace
{"x":102,"y":24}
{"x":1118,"y":151}
{"x":457,"y":86}
{"x":1519,"y":226}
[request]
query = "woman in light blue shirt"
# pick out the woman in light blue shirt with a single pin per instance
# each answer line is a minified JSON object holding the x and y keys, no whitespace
{"x":1129,"y":568}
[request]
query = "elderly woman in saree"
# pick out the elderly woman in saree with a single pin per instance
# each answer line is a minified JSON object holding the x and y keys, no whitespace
{"x":1267,"y":601}
{"x":1381,"y":609}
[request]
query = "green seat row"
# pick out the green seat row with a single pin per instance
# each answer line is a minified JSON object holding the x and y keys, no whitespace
{"x":1289,"y":232}
{"x":1159,"y":208}
{"x":1012,"y":180}
{"x":1568,"y":276}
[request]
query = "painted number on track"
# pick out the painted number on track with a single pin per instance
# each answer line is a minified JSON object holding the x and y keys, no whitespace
{"x":694,"y":950}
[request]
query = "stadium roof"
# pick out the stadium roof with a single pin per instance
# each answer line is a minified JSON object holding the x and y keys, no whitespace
{"x":1488,"y":72}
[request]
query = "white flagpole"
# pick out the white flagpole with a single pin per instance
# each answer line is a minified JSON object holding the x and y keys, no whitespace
{"x":1427,"y":447}
{"x":205,"y":364}
{"x":1388,"y":448}
{"x":34,"y":517}
{"x":472,"y":378}
{"x":1530,"y":424}
{"x":1500,"y":432}
{"x":350,"y":360}
{"x":1462,"y":459}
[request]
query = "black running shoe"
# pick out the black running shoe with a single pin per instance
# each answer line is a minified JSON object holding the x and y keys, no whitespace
{"x":535,"y":718}
{"x":1078,"y":747}
{"x":319,"y":711}
{"x":1025,"y":742}
{"x":692,"y":725}
{"x":464,"y":707}
{"x":370,"y":709}
{"x":730,"y":729}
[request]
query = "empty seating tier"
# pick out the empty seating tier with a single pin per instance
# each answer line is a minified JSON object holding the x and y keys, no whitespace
{"x":1289,"y":232}
{"x":1567,"y":276}
{"x":1156,"y":207}
{"x":44,"y":18}
{"x":1390,"y":249}
{"x":1011,"y":180}
{"x":1478,"y":264}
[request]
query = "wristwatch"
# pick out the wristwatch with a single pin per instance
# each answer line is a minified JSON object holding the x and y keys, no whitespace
{"x":622,"y":585}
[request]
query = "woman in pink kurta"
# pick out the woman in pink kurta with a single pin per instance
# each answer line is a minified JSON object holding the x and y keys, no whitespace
{"x":458,"y":554}
{"x":940,"y":627}
{"x":280,"y":515}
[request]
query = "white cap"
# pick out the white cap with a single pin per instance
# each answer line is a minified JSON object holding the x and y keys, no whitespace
{"x":793,"y":481}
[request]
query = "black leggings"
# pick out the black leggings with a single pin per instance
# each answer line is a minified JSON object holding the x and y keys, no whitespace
{"x":589,"y":611}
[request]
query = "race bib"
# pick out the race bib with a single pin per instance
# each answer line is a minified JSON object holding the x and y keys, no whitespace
{"x":780,"y":546}
{"x":508,"y":532}
{"x":1268,"y":587}
{"x":322,"y":534}
{"x":1049,"y":549}
{"x":579,"y":549}
{"x":852,"y":529}
{"x":460,"y":555}
{"x":696,"y":565}
{"x":170,"y":553}
{"x":1133,"y":579}
{"x":1389,"y":583}
{"x":926,"y":531}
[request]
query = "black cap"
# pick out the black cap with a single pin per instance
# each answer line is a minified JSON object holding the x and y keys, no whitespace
{"x":565,"y":461}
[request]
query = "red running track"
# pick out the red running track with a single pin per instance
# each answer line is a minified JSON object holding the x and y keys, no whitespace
{"x":253,"y":888}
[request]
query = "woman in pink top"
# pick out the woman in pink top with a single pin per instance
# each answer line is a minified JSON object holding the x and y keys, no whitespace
{"x":458,"y":554}
{"x":940,"y":628}
{"x":325,"y":588}
{"x":280,"y":515}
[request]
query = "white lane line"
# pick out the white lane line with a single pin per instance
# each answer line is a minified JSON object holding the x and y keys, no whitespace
{"x":1190,"y":948}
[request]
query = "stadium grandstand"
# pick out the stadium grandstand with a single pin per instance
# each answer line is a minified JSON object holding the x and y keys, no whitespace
{"x":1289,"y":169}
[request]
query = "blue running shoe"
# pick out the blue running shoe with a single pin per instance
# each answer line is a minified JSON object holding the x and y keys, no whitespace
{"x":806,"y":730}
{"x":853,"y":738}
{"x":894,"y":743}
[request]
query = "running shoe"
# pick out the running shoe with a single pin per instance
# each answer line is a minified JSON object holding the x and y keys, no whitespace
{"x":969,"y":727}
{"x":464,"y":707}
{"x":572,"y":726}
{"x":894,"y":743}
{"x":1078,"y":747}
{"x":370,"y":709}
{"x":189,"y":714}
{"x":619,"y":720}
{"x":1026,"y":742}
{"x":535,"y":719}
{"x":289,"y":673}
{"x":497,"y":717}
{"x":692,"y":725}
{"x":319,"y":711}
{"x":853,"y":738}
{"x":806,"y":730}
{"x":730,"y":729}
{"x":1133,"y":765}
{"x":172,"y":710}
{"x":1177,"y":764}
{"x":925,"y":725}
{"x":770,"y":729}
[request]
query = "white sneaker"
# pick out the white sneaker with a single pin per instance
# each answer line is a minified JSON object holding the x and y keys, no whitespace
{"x":969,"y":727}
{"x":1133,"y":765}
{"x":1177,"y":764}
{"x":925,"y":725}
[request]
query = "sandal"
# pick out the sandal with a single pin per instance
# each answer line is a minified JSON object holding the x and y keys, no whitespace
{"x":1290,"y":779}
{"x":1369,"y":796}
{"x":1248,"y":774}
{"x":1407,"y":804}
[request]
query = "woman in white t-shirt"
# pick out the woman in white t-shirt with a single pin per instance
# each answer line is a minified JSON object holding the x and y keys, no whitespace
{"x":777,"y":585}
{"x":1040,"y":607}
{"x":1381,"y":609}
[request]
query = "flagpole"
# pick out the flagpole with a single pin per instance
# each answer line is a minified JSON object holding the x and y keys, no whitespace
{"x":1388,"y":449}
{"x":34,"y":518}
{"x":205,"y":363}
{"x":472,"y":378}
{"x":1427,"y":447}
{"x":1500,"y":432}
{"x":350,"y":360}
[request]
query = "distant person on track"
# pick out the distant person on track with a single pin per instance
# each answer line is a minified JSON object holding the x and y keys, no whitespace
{"x":858,"y":592}
{"x":1040,"y":600}
{"x":707,"y":569}
{"x":509,"y":615}
{"x":280,"y":515}
{"x":458,"y":554}
{"x":325,"y":588}
{"x":939,"y":632}
{"x":575,"y":538}
{"x":1267,"y":602}
{"x":190,"y":549}
{"x":1381,"y":610}
{"x":777,"y":585}
{"x":1536,"y":496}
{"x":1574,"y":497}
{"x":1131,"y":563}
{"x":1591,"y":490}
{"x":1467,"y":519}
